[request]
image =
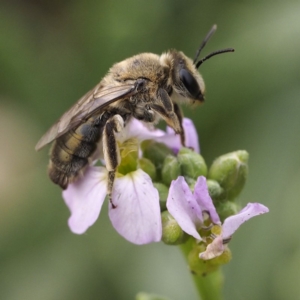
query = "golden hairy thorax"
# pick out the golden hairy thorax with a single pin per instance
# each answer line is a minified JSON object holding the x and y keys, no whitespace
{"x":145,"y":65}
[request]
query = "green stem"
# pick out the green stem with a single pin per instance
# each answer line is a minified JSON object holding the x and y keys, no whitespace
{"x":209,"y":287}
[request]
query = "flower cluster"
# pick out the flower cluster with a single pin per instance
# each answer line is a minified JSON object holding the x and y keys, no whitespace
{"x":157,"y":175}
{"x":137,"y":213}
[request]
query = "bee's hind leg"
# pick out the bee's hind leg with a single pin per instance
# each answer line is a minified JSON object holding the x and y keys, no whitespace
{"x":111,"y":150}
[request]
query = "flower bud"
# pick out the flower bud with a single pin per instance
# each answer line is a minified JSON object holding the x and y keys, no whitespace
{"x":199,"y":266}
{"x":203,"y":267}
{"x":216,"y":192}
{"x":191,"y":183}
{"x":192,"y":164}
{"x":223,"y":259}
{"x":170,"y":170}
{"x":230,"y":171}
{"x":226,"y":209}
{"x":172,"y":234}
{"x":155,"y":152}
{"x":147,"y":166}
{"x":163,"y":192}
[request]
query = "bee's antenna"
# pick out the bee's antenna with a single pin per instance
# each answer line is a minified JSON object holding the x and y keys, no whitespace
{"x":208,"y":36}
{"x":199,"y":63}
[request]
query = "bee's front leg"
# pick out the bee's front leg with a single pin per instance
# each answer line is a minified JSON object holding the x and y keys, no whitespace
{"x":170,"y":112}
{"x":111,"y":150}
{"x":179,"y":115}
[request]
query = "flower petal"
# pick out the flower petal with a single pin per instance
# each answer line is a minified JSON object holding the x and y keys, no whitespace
{"x":204,"y":200}
{"x":137,"y":129}
{"x":215,"y":249}
{"x":137,"y":213}
{"x":183,"y":207}
{"x":85,"y":198}
{"x":191,"y":137}
{"x":232,"y":223}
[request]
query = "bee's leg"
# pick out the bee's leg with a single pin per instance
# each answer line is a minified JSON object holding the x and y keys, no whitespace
{"x":166,"y":111}
{"x":179,"y":115}
{"x":111,"y":150}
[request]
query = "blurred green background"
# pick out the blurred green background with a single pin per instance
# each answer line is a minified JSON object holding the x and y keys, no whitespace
{"x":52,"y":52}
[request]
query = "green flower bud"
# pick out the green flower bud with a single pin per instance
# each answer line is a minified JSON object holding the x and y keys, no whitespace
{"x":199,"y":266}
{"x":163,"y":192}
{"x":231,"y":171}
{"x":223,"y":259}
{"x":146,"y":296}
{"x":192,"y":163}
{"x":156,"y":153}
{"x":147,"y":166}
{"x":215,"y":191}
{"x":172,"y":234}
{"x":170,"y":169}
{"x":202,"y":267}
{"x":191,"y":183}
{"x":226,"y":209}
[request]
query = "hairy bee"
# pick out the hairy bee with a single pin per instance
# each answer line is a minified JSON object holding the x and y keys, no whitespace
{"x":146,"y":86}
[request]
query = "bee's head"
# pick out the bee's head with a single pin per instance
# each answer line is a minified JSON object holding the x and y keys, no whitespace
{"x":185,"y":78}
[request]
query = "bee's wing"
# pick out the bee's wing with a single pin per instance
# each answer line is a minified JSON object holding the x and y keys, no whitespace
{"x":94,"y":100}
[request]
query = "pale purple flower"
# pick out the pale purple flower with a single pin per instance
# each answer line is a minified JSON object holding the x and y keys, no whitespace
{"x":142,"y":132}
{"x":137,"y":213}
{"x":189,"y":209}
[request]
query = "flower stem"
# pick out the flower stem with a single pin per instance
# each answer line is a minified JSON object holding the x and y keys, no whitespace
{"x":209,"y":287}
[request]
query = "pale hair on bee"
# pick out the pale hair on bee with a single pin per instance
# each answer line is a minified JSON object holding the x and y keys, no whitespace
{"x":147,"y":87}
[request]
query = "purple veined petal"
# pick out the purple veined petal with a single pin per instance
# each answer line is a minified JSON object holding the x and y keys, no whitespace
{"x":183,"y":207}
{"x":204,"y":200}
{"x":232,"y":223}
{"x":85,"y":197}
{"x":137,"y":213}
{"x":215,"y":249}
{"x":191,"y":136}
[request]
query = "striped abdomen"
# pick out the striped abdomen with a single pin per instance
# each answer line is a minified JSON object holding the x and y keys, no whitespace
{"x":71,"y":151}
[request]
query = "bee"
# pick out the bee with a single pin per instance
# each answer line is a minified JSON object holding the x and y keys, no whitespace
{"x":147,"y":87}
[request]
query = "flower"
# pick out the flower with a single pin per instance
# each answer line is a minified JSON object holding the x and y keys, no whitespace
{"x":140,"y":131}
{"x":190,"y":209}
{"x":137,"y":213}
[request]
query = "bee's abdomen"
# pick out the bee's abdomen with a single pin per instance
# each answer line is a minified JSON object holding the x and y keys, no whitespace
{"x":71,"y":151}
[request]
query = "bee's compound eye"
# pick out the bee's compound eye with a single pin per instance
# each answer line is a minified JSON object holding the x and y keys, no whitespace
{"x":190,"y":83}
